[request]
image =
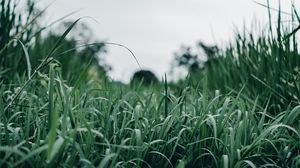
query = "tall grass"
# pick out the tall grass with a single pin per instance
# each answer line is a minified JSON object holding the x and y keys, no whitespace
{"x":15,"y":26}
{"x":46,"y":121}
{"x":266,"y":66}
{"x":108,"y":126}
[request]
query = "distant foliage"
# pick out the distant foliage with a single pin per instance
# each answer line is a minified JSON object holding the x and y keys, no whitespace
{"x":193,"y":64}
{"x":266,"y":67}
{"x":145,"y":77}
{"x":24,"y":45}
{"x":185,"y":58}
{"x":73,"y":55}
{"x":191,"y":61}
{"x":211,"y":53}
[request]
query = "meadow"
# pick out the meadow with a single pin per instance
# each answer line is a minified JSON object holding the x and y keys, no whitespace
{"x":241,"y":110}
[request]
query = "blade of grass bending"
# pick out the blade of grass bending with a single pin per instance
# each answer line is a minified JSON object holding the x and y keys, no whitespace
{"x":266,"y":133}
{"x":27,"y":57}
{"x":292,"y":33}
{"x":116,"y":44}
{"x":249,"y":163}
{"x":54,"y":22}
{"x":24,"y":28}
{"x":92,"y":44}
{"x":270,"y":8}
{"x":105,"y":43}
{"x":59,"y":41}
{"x":43,"y":63}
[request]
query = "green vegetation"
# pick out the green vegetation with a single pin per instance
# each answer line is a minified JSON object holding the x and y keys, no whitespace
{"x":143,"y":77}
{"x":240,"y":110}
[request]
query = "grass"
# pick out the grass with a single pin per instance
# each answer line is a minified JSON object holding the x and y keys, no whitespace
{"x":243,"y":113}
{"x":107,"y":126}
{"x":266,"y":66}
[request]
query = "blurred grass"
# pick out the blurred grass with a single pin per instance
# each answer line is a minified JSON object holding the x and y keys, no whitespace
{"x":243,"y":111}
{"x":109,"y":125}
{"x":265,"y":66}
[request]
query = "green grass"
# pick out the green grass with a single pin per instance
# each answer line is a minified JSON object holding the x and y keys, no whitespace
{"x":266,"y":66}
{"x":107,"y":126}
{"x":244,"y":112}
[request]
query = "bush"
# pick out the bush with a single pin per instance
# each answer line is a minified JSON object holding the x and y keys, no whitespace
{"x":145,"y":77}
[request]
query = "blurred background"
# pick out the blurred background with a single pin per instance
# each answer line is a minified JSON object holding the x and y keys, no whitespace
{"x":155,"y":30}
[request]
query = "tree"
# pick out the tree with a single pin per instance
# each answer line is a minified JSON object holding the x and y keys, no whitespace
{"x":145,"y":77}
{"x":189,"y":60}
{"x":211,"y":53}
{"x":185,"y":58}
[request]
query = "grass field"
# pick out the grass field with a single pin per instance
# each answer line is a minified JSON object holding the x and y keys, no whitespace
{"x":243,"y":110}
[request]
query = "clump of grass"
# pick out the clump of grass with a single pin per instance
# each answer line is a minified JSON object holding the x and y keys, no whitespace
{"x":265,"y":66}
{"x":15,"y":24}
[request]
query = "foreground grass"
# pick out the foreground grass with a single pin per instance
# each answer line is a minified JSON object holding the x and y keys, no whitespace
{"x":46,"y":121}
{"x":106,"y":125}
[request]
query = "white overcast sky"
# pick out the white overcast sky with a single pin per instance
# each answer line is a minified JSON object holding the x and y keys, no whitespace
{"x":155,"y":29}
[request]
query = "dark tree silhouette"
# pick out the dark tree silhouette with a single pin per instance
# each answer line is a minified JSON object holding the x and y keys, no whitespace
{"x":189,"y":60}
{"x":145,"y":77}
{"x":211,"y":53}
{"x":185,"y":58}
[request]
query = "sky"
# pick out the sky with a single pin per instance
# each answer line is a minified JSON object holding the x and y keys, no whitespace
{"x":155,"y":29}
